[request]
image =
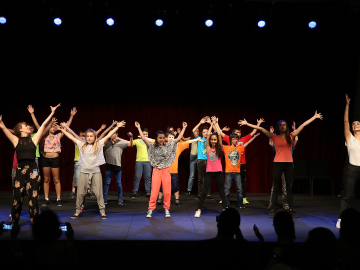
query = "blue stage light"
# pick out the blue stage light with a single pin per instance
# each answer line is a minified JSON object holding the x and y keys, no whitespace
{"x":312,"y":24}
{"x":2,"y":20}
{"x":159,"y":22}
{"x":261,"y":24}
{"x":209,"y":23}
{"x":110,"y":22}
{"x":57,"y":21}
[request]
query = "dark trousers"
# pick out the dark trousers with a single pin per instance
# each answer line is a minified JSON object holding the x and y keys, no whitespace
{"x":243,"y":182}
{"x":278,"y":169}
{"x":219,"y":178}
{"x":201,"y":175}
{"x":26,"y":181}
{"x":352,"y":174}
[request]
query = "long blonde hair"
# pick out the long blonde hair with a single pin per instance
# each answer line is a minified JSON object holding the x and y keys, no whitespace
{"x":95,"y":142}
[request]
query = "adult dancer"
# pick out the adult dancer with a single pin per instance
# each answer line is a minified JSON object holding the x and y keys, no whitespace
{"x":91,"y":157}
{"x":283,"y":161}
{"x":352,"y":142}
{"x":27,"y":172}
{"x":161,"y":156}
{"x":213,"y":165}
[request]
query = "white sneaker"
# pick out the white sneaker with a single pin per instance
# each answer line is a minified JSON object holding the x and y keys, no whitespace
{"x":149,"y":214}
{"x":338,"y":224}
{"x":167,"y":213}
{"x":197,"y":214}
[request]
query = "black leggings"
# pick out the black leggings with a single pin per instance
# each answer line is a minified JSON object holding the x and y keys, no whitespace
{"x":219,"y":178}
{"x":278,"y":169}
{"x":352,"y":174}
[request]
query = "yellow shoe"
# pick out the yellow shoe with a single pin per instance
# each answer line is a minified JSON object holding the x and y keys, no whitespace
{"x":245,"y":201}
{"x":220,"y":202}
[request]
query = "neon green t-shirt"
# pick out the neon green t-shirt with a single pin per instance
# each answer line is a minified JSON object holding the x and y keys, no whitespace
{"x":77,"y":153}
{"x":141,"y":150}
{"x":37,"y":147}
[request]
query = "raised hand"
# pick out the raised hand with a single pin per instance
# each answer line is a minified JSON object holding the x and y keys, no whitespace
{"x":121,"y":124}
{"x":271,"y":129}
{"x":130,"y":134}
{"x":207,"y":119}
{"x":103,"y":126}
{"x":213,"y":119}
{"x":175,"y":133}
{"x":257,"y":134}
{"x":226,"y":128}
{"x":57,"y":127}
{"x":258,"y":234}
{"x":63,"y":124}
{"x":203,"y":121}
{"x":73,"y":111}
{"x":293,"y":126}
{"x":184,"y":124}
{"x":30,"y":109}
{"x":318,"y":115}
{"x":53,"y":109}
{"x":1,"y":122}
{"x":114,"y":123}
{"x":347,"y":99}
{"x":261,"y":120}
{"x":137,"y":124}
{"x":242,"y":122}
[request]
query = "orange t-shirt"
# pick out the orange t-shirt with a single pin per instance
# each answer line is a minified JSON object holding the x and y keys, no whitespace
{"x":232,"y":158}
{"x":180,"y":147}
{"x":283,"y":149}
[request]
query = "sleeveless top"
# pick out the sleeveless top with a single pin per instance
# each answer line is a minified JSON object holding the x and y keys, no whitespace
{"x":52,"y":144}
{"x":25,"y":149}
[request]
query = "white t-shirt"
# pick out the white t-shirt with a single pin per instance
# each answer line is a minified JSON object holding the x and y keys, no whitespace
{"x":90,"y":162}
{"x":354,"y":151}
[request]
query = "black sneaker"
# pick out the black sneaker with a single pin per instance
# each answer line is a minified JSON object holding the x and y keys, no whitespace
{"x":120,"y":203}
{"x":147,"y":195}
{"x":103,"y":217}
{"x":293,"y":213}
{"x":46,"y":203}
{"x":177,"y":203}
{"x":93,"y":195}
{"x":74,"y":216}
{"x":133,"y":196}
{"x":159,"y":202}
{"x":72,"y":195}
{"x":241,"y":206}
{"x":271,"y":214}
{"x":188,"y":193}
{"x":58,"y":203}
{"x":209,"y":197}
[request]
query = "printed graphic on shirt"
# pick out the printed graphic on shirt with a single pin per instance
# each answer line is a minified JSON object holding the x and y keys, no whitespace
{"x":213,"y":156}
{"x":141,"y":142}
{"x":234,"y":157}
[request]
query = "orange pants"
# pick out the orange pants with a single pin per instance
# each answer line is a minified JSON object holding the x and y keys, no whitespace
{"x":160,"y":176}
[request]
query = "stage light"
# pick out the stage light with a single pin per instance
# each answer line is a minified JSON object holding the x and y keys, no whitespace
{"x":110,"y":22}
{"x":312,"y":24}
{"x":159,"y":22}
{"x":261,"y":24}
{"x":209,"y":23}
{"x":2,"y":20}
{"x":57,"y":21}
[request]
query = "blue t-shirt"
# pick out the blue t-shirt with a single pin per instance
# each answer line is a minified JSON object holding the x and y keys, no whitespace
{"x":201,"y":149}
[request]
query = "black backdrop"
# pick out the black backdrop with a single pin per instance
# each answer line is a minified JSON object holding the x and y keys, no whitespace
{"x":161,"y":76}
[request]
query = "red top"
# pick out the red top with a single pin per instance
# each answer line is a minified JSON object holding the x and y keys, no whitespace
{"x":15,"y":161}
{"x":241,"y":142}
{"x":283,"y":149}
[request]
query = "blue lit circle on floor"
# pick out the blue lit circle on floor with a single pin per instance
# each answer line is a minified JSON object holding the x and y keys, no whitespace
{"x":209,"y":23}
{"x":261,"y":24}
{"x":110,"y":22}
{"x":57,"y":21}
{"x":159,"y":22}
{"x":2,"y":20}
{"x":312,"y":24}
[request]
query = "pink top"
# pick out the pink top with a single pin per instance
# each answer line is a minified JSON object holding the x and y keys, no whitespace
{"x":15,"y":161}
{"x":213,"y":163}
{"x":52,"y":144}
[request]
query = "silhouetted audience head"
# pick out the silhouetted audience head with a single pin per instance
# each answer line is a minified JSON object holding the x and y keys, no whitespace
{"x":350,"y":225}
{"x":46,"y":226}
{"x":228,"y":223}
{"x":284,"y":225}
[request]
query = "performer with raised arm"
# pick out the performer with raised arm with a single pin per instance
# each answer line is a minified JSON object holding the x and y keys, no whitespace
{"x":283,"y":161}
{"x":352,"y":142}
{"x":91,"y":157}
{"x":27,"y":172}
{"x":214,"y":170}
{"x":51,"y":148}
{"x":161,"y":156}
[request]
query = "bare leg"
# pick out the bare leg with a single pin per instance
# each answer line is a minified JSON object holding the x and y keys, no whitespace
{"x":56,"y":179}
{"x":47,"y":176}
{"x":177,"y":195}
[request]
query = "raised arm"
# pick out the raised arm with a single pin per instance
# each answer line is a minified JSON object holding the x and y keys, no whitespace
{"x":226,"y":128}
{"x":296,"y":138}
{"x":71,"y":131}
{"x":130,"y":143}
{"x":246,"y":144}
{"x":64,"y":129}
{"x":118,"y":125}
{"x":271,"y":143}
{"x":196,"y":140}
{"x":141,"y":134}
{"x":103,"y":126}
{"x":107,"y":130}
{"x":263,"y":130}
{"x":37,"y":137}
{"x":261,"y":120}
{"x":182,"y":132}
{"x":300,"y":128}
{"x":208,"y":137}
{"x":68,"y":123}
{"x":31,"y":111}
{"x":217,"y":129}
{"x":347,"y":131}
{"x":202,"y":121}
{"x":14,"y":140}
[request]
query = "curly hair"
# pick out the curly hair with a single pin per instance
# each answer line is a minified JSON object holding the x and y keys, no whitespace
{"x":218,"y":148}
{"x":17,"y":128}
{"x":287,"y":132}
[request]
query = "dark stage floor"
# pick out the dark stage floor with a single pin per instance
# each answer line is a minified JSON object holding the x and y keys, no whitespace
{"x":128,"y":222}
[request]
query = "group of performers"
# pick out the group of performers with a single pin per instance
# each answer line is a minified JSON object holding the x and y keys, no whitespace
{"x":157,"y":160}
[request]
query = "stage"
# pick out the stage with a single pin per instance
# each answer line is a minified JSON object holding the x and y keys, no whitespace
{"x":128,"y":222}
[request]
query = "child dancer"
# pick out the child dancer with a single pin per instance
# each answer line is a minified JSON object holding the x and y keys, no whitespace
{"x":213,"y":166}
{"x":27,"y":173}
{"x":161,"y":156}
{"x":91,"y":157}
{"x":192,"y":162}
{"x":283,"y":161}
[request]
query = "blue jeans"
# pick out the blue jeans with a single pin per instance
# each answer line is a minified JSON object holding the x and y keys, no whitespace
{"x":193,"y":169}
{"x":118,"y":182}
{"x":77,"y":169}
{"x":229,"y":178}
{"x":140,"y":167}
